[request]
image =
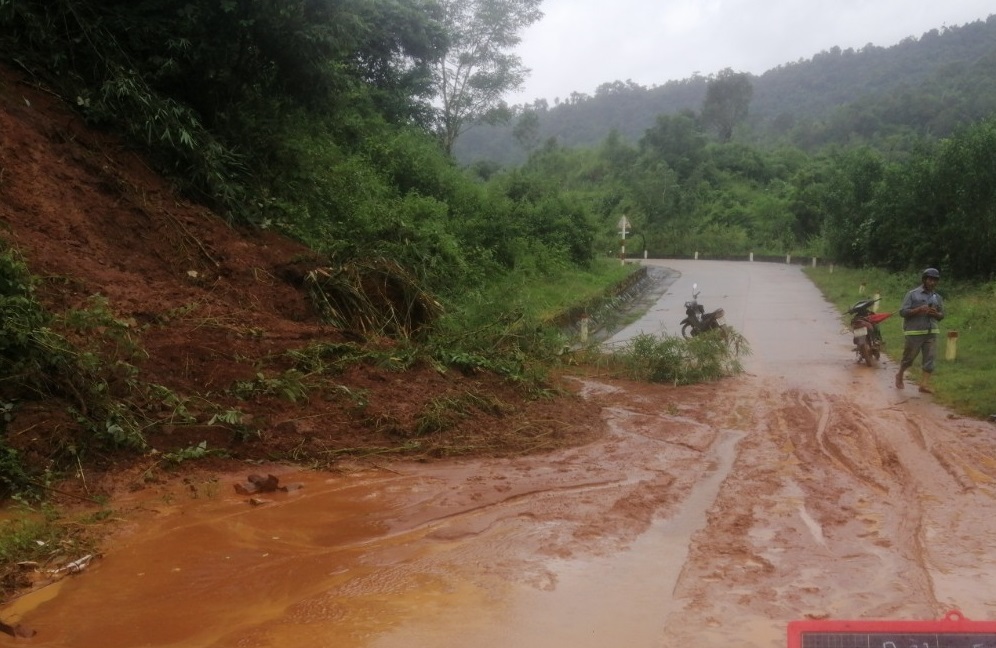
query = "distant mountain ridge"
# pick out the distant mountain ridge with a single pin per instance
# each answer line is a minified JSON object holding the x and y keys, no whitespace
{"x":930,"y":84}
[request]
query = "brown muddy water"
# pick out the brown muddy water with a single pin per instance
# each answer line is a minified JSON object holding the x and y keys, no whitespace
{"x":709,"y":515}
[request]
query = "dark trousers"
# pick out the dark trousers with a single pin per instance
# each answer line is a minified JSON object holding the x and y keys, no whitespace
{"x":926,"y":345}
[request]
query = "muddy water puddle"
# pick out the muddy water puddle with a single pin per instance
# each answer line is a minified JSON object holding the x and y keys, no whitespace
{"x":203,"y":571}
{"x":579,"y":548}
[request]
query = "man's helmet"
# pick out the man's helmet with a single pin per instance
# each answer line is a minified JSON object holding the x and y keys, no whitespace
{"x":930,"y":272}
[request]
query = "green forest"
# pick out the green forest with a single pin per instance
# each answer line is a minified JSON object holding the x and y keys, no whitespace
{"x":926,"y":85}
{"x":334,"y":122}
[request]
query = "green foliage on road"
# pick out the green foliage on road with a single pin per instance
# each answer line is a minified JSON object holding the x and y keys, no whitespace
{"x":678,"y":361}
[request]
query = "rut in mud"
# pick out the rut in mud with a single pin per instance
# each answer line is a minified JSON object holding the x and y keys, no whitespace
{"x":709,"y":515}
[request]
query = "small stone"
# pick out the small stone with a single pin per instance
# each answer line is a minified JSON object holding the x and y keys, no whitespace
{"x":266,"y":484}
{"x":246,"y":488}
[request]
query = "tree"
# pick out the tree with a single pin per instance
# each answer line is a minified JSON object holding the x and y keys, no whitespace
{"x":677,"y":140}
{"x":526,"y":131}
{"x":478,"y":67}
{"x":727,"y":98}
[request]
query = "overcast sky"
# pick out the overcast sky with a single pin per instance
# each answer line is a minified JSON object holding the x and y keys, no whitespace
{"x":580,"y":44}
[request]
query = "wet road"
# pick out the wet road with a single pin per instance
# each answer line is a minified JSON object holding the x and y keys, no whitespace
{"x":709,"y":515}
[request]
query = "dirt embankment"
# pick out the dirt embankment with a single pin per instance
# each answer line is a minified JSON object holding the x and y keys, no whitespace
{"x":211,"y":306}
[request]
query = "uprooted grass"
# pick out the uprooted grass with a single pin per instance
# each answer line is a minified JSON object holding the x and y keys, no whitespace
{"x":82,"y":358}
{"x":444,"y":412}
{"x":374,"y":296}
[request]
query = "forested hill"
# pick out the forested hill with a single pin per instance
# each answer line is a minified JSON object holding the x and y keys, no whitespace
{"x":926,"y":85}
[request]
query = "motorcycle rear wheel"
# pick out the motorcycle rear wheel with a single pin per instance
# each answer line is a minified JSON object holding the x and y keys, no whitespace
{"x":866,"y":354}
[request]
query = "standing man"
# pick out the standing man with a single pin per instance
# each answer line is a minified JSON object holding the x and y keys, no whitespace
{"x":922,"y":309}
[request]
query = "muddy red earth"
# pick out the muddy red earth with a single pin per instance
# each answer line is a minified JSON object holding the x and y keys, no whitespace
{"x":712,"y":515}
{"x":210,"y":319}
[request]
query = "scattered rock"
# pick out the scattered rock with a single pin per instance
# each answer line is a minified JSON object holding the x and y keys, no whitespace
{"x":257,"y":484}
{"x":266,"y":484}
{"x":245,"y":488}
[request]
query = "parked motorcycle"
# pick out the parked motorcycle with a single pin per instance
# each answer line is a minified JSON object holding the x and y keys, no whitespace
{"x":868,"y":342}
{"x":697,"y":320}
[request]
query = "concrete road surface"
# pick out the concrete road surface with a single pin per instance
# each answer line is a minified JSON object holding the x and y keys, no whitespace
{"x":789,"y":326}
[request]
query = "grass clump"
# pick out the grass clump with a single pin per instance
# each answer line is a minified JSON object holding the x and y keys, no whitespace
{"x":675,"y":360}
{"x":443,"y":413}
{"x":376,"y":296}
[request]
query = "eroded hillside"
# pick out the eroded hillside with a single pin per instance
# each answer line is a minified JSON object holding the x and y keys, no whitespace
{"x":214,"y":337}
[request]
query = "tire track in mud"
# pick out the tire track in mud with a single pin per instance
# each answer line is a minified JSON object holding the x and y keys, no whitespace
{"x":954,"y":457}
{"x":805,"y":525}
{"x":848,"y":498}
{"x":716,"y":600}
{"x":849,"y":434}
{"x":953,"y":462}
{"x":629,"y":544}
{"x":841,"y":508}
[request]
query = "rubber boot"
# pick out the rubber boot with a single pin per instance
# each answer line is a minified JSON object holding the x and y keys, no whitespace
{"x":899,"y":380}
{"x":925,"y":384}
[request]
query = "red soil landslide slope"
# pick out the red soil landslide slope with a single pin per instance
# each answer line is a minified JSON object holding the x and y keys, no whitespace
{"x":210,"y":305}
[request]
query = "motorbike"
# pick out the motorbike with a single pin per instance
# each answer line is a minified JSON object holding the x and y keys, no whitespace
{"x":697,"y":320}
{"x":868,"y":342}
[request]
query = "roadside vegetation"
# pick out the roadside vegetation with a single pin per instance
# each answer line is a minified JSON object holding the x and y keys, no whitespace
{"x":674,"y":360}
{"x":966,"y":384}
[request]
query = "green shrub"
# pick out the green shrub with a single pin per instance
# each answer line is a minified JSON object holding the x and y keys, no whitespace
{"x":668,"y":359}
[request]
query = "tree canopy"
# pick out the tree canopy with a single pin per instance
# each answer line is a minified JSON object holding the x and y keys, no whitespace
{"x":727,"y":101}
{"x":478,"y":67}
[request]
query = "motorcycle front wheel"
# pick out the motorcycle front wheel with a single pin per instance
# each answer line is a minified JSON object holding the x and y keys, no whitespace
{"x":688,"y":331}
